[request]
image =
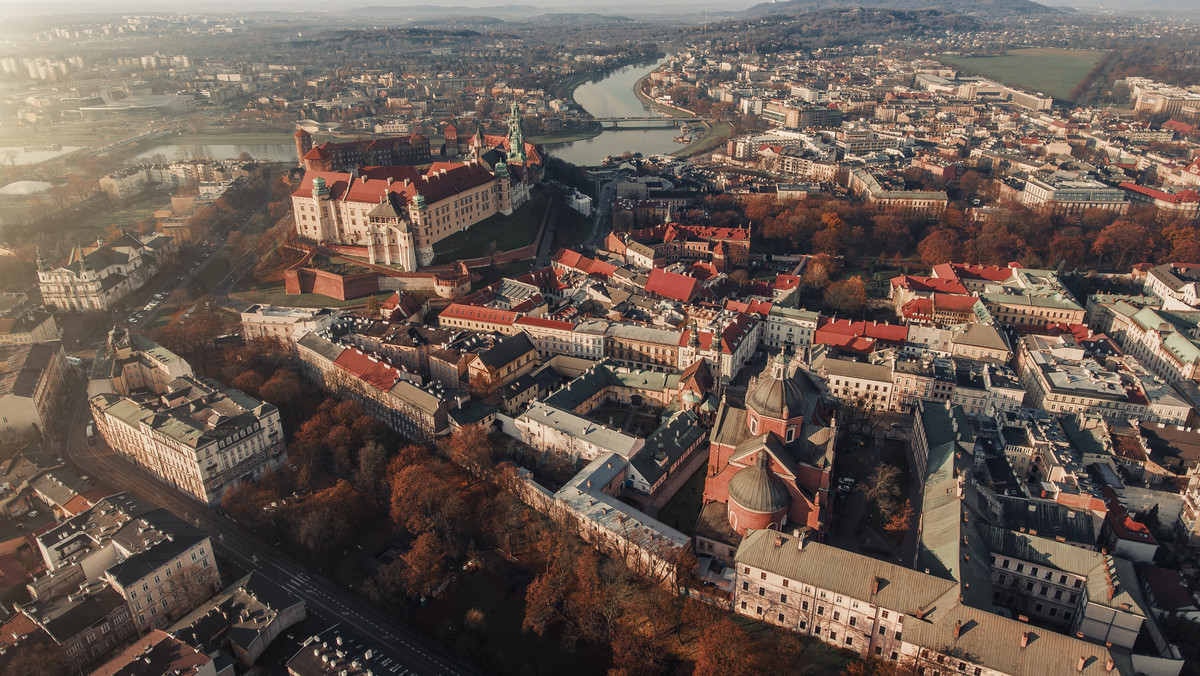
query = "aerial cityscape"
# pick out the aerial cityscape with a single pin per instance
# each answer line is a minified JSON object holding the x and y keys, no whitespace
{"x":803,"y":337}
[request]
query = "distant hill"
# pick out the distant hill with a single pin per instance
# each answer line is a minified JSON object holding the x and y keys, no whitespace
{"x":424,"y":12}
{"x":968,"y":7}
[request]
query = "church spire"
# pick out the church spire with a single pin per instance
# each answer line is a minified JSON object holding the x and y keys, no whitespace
{"x":42,"y":265}
{"x":516,"y":138}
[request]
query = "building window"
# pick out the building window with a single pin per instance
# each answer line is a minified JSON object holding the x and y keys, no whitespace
{"x":783,"y":598}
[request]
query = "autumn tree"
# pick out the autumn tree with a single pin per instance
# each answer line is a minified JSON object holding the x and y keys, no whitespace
{"x":940,"y":246}
{"x":370,"y":476}
{"x":847,"y":296}
{"x":471,"y":448}
{"x":425,"y":565}
{"x":723,"y":649}
{"x":422,"y":500}
{"x":901,"y":518}
{"x":1122,"y":243}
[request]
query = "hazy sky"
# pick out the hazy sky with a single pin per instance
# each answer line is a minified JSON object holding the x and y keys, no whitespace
{"x":614,"y":6}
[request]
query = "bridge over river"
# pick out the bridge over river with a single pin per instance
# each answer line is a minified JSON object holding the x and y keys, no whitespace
{"x":633,"y":122}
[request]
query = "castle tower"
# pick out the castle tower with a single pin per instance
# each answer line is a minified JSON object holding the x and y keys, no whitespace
{"x":516,"y":137}
{"x":504,"y":187}
{"x":303,"y":145}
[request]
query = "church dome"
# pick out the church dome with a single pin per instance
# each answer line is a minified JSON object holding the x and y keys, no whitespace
{"x":775,"y":392}
{"x":758,"y":489}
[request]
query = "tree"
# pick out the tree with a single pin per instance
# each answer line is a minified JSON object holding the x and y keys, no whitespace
{"x":1122,"y":243}
{"x":471,"y":448}
{"x":847,"y":296}
{"x":882,"y":487}
{"x":285,"y":391}
{"x":940,"y":246}
{"x":372,"y":308}
{"x":189,"y":587}
{"x":723,"y":649}
{"x":901,"y":519}
{"x":815,"y":277}
{"x":425,"y":566}
{"x":370,"y":475}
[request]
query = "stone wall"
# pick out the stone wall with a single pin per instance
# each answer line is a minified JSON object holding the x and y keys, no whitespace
{"x":341,"y":287}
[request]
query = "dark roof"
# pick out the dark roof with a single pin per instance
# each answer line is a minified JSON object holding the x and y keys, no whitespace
{"x":177,"y":536}
{"x":507,"y":351}
{"x":36,"y":361}
{"x":758,"y":489}
{"x":66,"y":618}
{"x":155,"y":654}
{"x":773,"y":394}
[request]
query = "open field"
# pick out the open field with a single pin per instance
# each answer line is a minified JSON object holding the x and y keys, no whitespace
{"x":508,"y":232}
{"x":1050,"y":71}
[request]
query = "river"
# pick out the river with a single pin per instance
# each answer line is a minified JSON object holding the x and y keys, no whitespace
{"x":612,"y":96}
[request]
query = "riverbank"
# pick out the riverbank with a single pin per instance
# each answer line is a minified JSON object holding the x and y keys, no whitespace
{"x":713,"y":136}
{"x":576,"y":133}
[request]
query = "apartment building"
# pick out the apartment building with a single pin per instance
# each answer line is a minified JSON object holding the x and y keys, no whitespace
{"x":285,"y":324}
{"x":160,"y":565}
{"x":31,"y":378}
{"x":193,"y":433}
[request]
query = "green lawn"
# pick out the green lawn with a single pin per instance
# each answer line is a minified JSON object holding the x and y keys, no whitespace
{"x":1051,"y":71}
{"x":508,"y":232}
{"x":571,"y":227}
{"x":276,"y":295}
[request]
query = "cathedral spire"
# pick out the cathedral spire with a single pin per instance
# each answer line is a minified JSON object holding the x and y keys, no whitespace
{"x":516,"y":138}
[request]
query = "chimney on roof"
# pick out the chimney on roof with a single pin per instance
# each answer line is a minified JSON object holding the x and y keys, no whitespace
{"x":1024,"y":639}
{"x":957,"y":628}
{"x":1082,"y":663}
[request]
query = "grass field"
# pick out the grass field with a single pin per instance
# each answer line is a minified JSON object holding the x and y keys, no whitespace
{"x":276,"y":295}
{"x":1050,"y":71}
{"x":508,"y":232}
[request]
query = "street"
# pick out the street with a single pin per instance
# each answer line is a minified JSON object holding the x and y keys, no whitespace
{"x":419,"y":654}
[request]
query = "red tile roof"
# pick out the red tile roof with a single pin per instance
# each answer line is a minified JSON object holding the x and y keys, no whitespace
{"x":1181,"y":197}
{"x":754,"y":307}
{"x":929,"y":284}
{"x":368,"y":369}
{"x":545,"y":323}
{"x":888,"y":333}
{"x":991,"y":273}
{"x":476,"y":313}
{"x":672,"y":285}
{"x":406,"y":183}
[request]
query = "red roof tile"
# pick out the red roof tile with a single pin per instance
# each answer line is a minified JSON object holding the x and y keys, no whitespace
{"x":477,"y":313}
{"x":368,"y":369}
{"x":545,"y":323}
{"x":672,"y":285}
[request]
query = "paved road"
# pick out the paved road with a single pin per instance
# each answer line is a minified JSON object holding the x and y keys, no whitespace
{"x":604,"y":204}
{"x":419,"y":654}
